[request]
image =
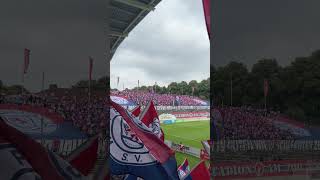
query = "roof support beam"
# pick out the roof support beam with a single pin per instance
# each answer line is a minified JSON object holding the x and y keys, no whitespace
{"x":118,"y":21}
{"x":117,"y":34}
{"x":136,"y":4}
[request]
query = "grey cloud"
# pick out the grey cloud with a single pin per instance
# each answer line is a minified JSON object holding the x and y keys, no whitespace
{"x":171,"y":44}
{"x":280,"y":29}
{"x":61,"y":36}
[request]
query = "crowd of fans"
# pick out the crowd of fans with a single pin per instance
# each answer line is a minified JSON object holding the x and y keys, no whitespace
{"x":90,"y":117}
{"x":251,"y":124}
{"x":143,"y":97}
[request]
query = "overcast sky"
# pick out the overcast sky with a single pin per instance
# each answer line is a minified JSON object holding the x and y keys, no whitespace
{"x":170,"y":45}
{"x":246,"y":30}
{"x":60,"y":34}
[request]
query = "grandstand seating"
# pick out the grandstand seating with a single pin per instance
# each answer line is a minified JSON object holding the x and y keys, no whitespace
{"x":143,"y":97}
{"x":246,"y":123}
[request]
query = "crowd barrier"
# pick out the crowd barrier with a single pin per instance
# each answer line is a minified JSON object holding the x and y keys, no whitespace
{"x":50,"y":114}
{"x":191,"y":114}
{"x":237,"y":170}
{"x":266,"y":145}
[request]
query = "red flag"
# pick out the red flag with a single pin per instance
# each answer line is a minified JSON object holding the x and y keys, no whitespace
{"x":90,"y":67}
{"x":136,"y":111}
{"x":266,"y":87}
{"x":200,"y":172}
{"x":150,"y":118}
{"x":206,"y":9}
{"x":84,"y":158}
{"x":26,"y":60}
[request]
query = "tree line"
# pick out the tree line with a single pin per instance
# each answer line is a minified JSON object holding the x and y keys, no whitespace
{"x":293,"y":89}
{"x":192,"y":88}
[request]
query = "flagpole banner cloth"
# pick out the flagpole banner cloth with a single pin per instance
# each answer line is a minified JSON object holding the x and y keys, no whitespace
{"x":206,"y":10}
{"x":136,"y":150}
{"x":26,"y":60}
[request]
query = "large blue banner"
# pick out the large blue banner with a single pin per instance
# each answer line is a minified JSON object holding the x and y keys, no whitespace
{"x":30,"y":124}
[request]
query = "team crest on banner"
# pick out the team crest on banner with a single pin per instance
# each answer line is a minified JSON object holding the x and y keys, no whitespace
{"x":155,"y":126}
{"x":136,"y":151}
{"x":125,"y":147}
{"x":26,"y":122}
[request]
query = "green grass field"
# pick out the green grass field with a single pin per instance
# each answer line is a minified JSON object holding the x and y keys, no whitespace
{"x":190,"y":134}
{"x":187,"y":133}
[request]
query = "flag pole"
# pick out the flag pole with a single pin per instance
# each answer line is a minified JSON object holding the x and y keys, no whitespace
{"x":231,"y":89}
{"x":90,"y":75}
{"x":266,"y":86}
{"x":22,"y":83}
{"x":89,"y":91}
{"x":265,"y":105}
{"x":118,"y":79}
{"x":42,"y":89}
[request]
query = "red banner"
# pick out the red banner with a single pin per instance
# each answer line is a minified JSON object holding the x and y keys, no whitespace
{"x":84,"y":158}
{"x":90,"y":67}
{"x":266,"y":87}
{"x":26,"y":60}
{"x":206,"y":9}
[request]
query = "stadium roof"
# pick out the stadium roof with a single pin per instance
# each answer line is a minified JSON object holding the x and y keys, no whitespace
{"x":125,"y":15}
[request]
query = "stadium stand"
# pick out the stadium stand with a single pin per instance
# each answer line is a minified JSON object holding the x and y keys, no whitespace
{"x":247,"y":123}
{"x":91,"y":117}
{"x":143,"y":97}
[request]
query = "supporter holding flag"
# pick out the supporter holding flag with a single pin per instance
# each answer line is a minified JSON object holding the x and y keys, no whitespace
{"x":184,"y":169}
{"x":136,"y":150}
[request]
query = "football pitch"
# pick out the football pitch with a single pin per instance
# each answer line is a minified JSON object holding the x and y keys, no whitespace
{"x":187,"y":133}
